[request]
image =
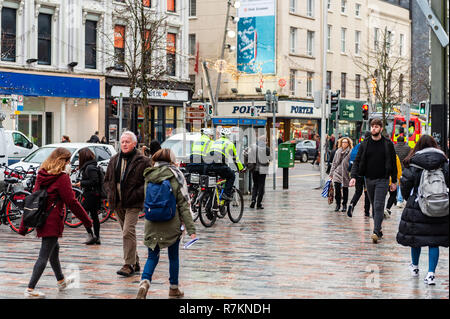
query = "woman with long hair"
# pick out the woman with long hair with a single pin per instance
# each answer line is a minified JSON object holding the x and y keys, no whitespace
{"x":339,"y":172}
{"x":166,"y":234}
{"x":417,"y":230}
{"x":90,"y":184}
{"x":54,"y":177}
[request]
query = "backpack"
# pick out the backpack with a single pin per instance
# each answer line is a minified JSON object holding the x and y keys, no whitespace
{"x":34,"y":213}
{"x":160,"y":203}
{"x":432,"y":193}
{"x":101,"y":181}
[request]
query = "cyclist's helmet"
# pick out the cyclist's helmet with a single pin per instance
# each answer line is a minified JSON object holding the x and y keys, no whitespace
{"x":225,"y":132}
{"x":206,"y":131}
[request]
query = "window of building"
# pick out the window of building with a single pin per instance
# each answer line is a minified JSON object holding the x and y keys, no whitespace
{"x":402,"y":45}
{"x":192,"y":42}
{"x":343,"y":6}
{"x":310,"y":43}
{"x":309,"y":83}
{"x":192,"y":8}
{"x":292,"y":82}
{"x":90,"y":45}
{"x":329,"y":37}
{"x":376,"y":32}
{"x":171,"y":53}
{"x":44,"y":39}
{"x":343,"y":84}
{"x":358,"y":86}
{"x":119,"y":47}
{"x":293,"y":6}
{"x":343,"y":35}
{"x":357,"y":9}
{"x":310,"y":8}
{"x":8,"y":44}
{"x":329,"y":80}
{"x":171,"y":5}
{"x":293,"y":40}
{"x":357,"y":42}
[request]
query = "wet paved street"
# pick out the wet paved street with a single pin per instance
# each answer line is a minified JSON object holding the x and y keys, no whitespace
{"x":297,"y":247}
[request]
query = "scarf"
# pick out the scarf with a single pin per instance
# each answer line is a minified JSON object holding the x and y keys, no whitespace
{"x":179,"y":177}
{"x":127,"y":157}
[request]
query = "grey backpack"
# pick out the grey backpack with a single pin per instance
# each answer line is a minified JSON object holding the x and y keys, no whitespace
{"x":432,"y":193}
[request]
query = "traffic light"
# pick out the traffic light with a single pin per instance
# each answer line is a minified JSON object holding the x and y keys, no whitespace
{"x":114,"y":107}
{"x":252,"y":111}
{"x":210,"y":109}
{"x":335,"y":101}
{"x":365,"y":111}
{"x":423,"y":108}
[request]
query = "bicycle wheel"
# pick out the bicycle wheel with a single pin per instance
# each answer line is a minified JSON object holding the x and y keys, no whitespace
{"x":69,"y":218}
{"x":104,"y":212}
{"x":14,"y":211}
{"x":236,"y":206}
{"x":194,"y":205}
{"x":206,"y":214}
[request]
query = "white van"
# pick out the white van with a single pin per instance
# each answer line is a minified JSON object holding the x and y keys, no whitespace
{"x":175,"y":143}
{"x":18,"y":146}
{"x":3,"y":153}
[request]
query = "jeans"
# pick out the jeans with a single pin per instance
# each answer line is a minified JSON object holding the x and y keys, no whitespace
{"x":377,"y":190}
{"x":433,"y":257}
{"x":49,"y":251}
{"x":153,"y":259}
{"x":399,"y":194}
{"x":259,"y":183}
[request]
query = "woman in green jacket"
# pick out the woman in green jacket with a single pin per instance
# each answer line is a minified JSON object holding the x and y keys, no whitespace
{"x":166,"y":234}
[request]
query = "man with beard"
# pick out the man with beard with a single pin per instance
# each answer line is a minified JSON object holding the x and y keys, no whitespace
{"x":376,"y":161}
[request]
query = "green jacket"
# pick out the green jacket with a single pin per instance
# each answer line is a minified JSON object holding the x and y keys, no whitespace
{"x":165,"y":234}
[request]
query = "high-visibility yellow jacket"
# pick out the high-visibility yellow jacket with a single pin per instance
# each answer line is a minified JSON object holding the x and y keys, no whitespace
{"x":202,"y":146}
{"x":399,"y":171}
{"x":227,"y":150}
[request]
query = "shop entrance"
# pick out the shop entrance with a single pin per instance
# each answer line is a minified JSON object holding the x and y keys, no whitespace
{"x":37,"y":126}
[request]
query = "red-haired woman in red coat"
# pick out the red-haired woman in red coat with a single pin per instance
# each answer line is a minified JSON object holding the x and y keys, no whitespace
{"x":54,"y":175}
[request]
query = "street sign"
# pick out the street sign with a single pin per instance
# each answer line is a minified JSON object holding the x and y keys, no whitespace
{"x":282,"y":83}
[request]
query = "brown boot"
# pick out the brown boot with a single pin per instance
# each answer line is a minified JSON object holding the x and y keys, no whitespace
{"x":126,"y":270}
{"x":174,"y":292}
{"x":143,"y":289}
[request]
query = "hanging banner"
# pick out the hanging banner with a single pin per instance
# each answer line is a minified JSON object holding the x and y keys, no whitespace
{"x":256,"y":37}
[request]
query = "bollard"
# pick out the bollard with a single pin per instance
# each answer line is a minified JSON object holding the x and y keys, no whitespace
{"x":285,"y":178}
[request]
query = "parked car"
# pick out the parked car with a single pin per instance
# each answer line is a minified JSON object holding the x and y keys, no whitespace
{"x":18,"y":146}
{"x":103,"y":153}
{"x":305,"y":150}
{"x":175,"y":143}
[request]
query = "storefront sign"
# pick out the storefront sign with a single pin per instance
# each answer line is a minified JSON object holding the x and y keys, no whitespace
{"x":168,"y":95}
{"x":288,"y":109}
{"x":302,"y":110}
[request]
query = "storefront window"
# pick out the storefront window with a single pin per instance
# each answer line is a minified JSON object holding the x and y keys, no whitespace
{"x":303,"y":129}
{"x":347,"y":128}
{"x":170,"y":121}
{"x":179,"y":117}
{"x":158,"y":132}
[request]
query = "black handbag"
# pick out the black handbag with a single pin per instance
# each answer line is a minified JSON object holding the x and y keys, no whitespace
{"x":35,"y":214}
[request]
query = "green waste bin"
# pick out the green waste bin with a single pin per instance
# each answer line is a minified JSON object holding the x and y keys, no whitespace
{"x":286,"y":155}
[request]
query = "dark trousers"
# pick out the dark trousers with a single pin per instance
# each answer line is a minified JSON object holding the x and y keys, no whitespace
{"x":49,"y":251}
{"x":91,"y":205}
{"x":224,"y":171}
{"x":259,"y":183}
{"x":377,"y":190}
{"x":359,"y":189}
{"x":338,"y":194}
{"x":392,"y":199}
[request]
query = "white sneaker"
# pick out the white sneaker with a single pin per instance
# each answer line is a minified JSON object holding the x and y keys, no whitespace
{"x":65,"y":283}
{"x":34,"y":294}
{"x":414,"y":270}
{"x":430,"y":279}
{"x":387,"y":213}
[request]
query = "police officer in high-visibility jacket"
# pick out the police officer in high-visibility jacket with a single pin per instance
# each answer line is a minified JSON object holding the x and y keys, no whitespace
{"x":223,"y":151}
{"x":200,"y":149}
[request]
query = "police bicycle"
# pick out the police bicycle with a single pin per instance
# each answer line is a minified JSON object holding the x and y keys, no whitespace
{"x":211,"y":205}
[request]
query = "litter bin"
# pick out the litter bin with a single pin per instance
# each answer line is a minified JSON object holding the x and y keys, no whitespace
{"x":286,"y":156}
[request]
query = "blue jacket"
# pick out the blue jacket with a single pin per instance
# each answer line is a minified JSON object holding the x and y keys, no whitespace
{"x":353,"y":156}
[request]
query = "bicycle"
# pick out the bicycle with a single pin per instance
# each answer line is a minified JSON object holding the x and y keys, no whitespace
{"x":193,"y":183}
{"x":212,"y":206}
{"x":12,"y":201}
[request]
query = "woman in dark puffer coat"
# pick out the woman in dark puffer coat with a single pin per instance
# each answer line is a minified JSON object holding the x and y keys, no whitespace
{"x":417,"y":230}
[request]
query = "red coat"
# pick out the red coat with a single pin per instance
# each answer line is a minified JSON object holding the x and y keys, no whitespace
{"x":59,"y":188}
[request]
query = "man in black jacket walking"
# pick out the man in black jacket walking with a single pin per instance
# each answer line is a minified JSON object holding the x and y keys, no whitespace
{"x":376,"y":161}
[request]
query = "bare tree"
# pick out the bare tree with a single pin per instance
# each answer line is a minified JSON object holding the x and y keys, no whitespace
{"x":391,"y":71}
{"x":139,"y":47}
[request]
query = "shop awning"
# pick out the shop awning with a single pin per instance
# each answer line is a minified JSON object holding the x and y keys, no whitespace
{"x":47,"y":85}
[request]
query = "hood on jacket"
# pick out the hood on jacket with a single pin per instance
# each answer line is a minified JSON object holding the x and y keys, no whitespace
{"x":94,"y":161}
{"x":157,"y":174}
{"x":45,"y":179}
{"x":429,"y":158}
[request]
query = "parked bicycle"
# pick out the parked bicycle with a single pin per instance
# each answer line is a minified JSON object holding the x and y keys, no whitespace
{"x":12,"y":200}
{"x":211,"y":205}
{"x":193,"y":183}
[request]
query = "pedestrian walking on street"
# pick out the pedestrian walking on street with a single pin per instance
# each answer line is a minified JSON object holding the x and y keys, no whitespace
{"x":417,"y":230}
{"x":65,"y":139}
{"x":124,"y":184}
{"x":103,"y":141}
{"x":339,"y":172}
{"x":359,"y":185}
{"x":166,"y":234}
{"x":152,"y":149}
{"x":393,"y":194}
{"x":91,"y":185}
{"x":372,"y":154}
{"x":316,"y":159}
{"x":402,"y":149}
{"x":94,"y":138}
{"x":259,"y":154}
{"x":54,"y":177}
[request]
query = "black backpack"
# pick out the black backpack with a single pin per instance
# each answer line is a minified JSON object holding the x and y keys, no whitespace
{"x":101,"y":183}
{"x":34,"y":214}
